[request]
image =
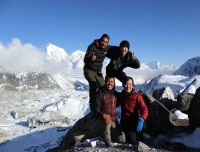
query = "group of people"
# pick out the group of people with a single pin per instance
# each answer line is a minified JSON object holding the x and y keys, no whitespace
{"x":104,"y":99}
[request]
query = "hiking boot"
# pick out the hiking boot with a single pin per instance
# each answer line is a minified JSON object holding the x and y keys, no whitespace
{"x":141,"y":137}
{"x":109,"y":144}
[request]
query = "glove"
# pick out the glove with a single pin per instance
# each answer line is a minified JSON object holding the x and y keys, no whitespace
{"x":140,"y":124}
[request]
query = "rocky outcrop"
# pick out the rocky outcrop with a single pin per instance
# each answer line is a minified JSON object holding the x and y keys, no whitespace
{"x":84,"y":128}
{"x":183,"y":101}
{"x":194,"y":111}
{"x":27,"y":81}
{"x":160,"y":118}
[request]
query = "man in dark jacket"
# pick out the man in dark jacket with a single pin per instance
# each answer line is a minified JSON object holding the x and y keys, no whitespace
{"x":93,"y":60}
{"x":121,"y":58}
{"x":105,"y":107}
{"x":134,"y":112}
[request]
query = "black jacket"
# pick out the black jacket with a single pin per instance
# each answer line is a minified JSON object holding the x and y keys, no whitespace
{"x":118,"y":63}
{"x":100,"y":56}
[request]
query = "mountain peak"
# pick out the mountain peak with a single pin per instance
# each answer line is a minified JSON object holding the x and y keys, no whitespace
{"x":189,"y":68}
{"x":158,"y":66}
{"x":77,"y":55}
{"x":55,"y":53}
{"x":154,"y":64}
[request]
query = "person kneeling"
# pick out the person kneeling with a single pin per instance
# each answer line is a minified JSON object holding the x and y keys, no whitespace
{"x":105,"y":108}
{"x":134,"y":112}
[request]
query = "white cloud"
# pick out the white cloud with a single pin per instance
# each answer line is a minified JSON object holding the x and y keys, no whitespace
{"x":145,"y":73}
{"x":17,"y":57}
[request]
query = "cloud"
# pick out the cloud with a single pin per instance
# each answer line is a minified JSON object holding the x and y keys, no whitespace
{"x":16,"y":57}
{"x":144,"y":74}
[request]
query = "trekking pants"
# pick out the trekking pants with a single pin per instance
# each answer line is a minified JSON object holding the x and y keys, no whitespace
{"x":93,"y":125}
{"x":113,"y":131}
{"x":96,"y":81}
{"x":132,"y":135}
{"x":120,"y":75}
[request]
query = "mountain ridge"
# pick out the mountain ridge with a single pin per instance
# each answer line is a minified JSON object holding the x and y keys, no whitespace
{"x":63,"y":70}
{"x":190,"y":68}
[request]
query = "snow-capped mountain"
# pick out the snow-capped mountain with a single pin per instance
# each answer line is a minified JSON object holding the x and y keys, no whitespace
{"x":65,"y":69}
{"x":189,"y":68}
{"x":27,"y":81}
{"x":33,"y":95}
{"x":157,"y":65}
{"x":77,"y":55}
{"x":177,"y":83}
{"x":77,"y":59}
{"x":56,"y":54}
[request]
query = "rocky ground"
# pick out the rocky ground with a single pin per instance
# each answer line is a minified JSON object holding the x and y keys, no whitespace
{"x":149,"y":145}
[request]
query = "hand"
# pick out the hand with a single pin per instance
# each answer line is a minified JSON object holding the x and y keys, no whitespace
{"x":133,"y":56}
{"x":93,"y":56}
{"x":100,"y":74}
{"x":106,"y":118}
{"x":140,"y":124}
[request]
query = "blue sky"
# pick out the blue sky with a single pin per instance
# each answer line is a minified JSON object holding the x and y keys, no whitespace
{"x":164,"y":30}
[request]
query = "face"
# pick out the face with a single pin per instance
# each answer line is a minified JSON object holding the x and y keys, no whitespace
{"x":104,"y":42}
{"x":128,"y":86}
{"x":110,"y":83}
{"x":124,"y":50}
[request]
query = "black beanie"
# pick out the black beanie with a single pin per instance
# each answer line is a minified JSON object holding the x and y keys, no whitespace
{"x":126,"y":79}
{"x":125,"y":43}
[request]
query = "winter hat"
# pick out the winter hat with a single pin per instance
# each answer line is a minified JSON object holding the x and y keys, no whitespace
{"x":124,"y":43}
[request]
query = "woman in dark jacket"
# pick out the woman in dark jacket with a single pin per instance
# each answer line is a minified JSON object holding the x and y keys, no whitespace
{"x":134,"y":111}
{"x":121,"y":58}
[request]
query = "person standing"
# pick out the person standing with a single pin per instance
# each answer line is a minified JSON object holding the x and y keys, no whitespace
{"x":134,"y":112}
{"x":94,"y":57}
{"x":105,"y":108}
{"x":121,"y":58}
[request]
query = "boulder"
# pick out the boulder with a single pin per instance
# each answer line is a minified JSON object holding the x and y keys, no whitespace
{"x":84,"y":128}
{"x":49,"y":117}
{"x":194,"y":111}
{"x":159,"y":117}
{"x":162,"y":93}
{"x":165,"y":96}
{"x":183,"y":101}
